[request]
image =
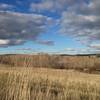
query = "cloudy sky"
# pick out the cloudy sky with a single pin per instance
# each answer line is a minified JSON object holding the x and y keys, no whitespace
{"x":51,"y":26}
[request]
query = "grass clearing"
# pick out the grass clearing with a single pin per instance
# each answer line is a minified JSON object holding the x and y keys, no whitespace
{"x":47,"y":84}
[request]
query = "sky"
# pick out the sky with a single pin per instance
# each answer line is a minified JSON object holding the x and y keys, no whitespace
{"x":50,"y":26}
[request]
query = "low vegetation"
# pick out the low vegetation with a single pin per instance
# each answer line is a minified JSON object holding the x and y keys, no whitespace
{"x":82,"y":63}
{"x":47,"y":84}
{"x":49,"y":77}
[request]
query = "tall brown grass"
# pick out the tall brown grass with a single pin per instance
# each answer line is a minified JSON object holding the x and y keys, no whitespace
{"x":47,"y":84}
{"x":82,"y":63}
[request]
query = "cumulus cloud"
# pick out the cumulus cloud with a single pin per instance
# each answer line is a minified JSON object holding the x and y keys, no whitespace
{"x":79,"y":18}
{"x":25,"y":49}
{"x":74,"y":50}
{"x":46,"y":42}
{"x":79,"y":26}
{"x":70,"y":49}
{"x":52,"y":5}
{"x":95,"y":46}
{"x":4,"y":6}
{"x":18,"y":28}
{"x":3,"y":42}
{"x":86,"y":50}
{"x":82,"y":22}
{"x":92,"y":8}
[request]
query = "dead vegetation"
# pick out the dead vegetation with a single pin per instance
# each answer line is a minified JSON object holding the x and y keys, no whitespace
{"x":33,"y":77}
{"x":81,"y":63}
{"x":47,"y":84}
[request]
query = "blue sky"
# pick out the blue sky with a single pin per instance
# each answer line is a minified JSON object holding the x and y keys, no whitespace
{"x":50,"y":26}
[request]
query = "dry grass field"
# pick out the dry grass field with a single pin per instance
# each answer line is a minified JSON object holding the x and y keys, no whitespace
{"x":47,"y":84}
{"x":45,"y":77}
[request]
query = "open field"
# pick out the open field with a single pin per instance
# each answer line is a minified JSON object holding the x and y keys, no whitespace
{"x":49,"y":77}
{"x":47,"y":84}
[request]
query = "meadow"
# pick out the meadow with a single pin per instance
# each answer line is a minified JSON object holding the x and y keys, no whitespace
{"x":20,"y":80}
{"x":47,"y":84}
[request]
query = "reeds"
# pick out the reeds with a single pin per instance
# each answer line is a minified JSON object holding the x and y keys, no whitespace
{"x":47,"y":84}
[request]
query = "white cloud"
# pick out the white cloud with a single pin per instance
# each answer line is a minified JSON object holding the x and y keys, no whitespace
{"x":52,"y":5}
{"x":48,"y":5}
{"x":70,"y":49}
{"x":3,"y":42}
{"x":46,"y":42}
{"x":86,"y":50}
{"x":4,"y":6}
{"x":79,"y":25}
{"x":79,"y":19}
{"x":95,"y":46}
